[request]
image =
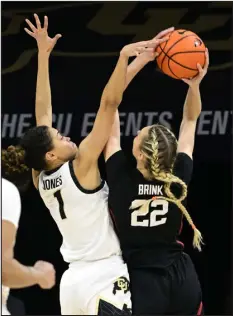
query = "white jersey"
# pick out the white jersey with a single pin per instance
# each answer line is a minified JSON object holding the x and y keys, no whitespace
{"x":11,"y":210}
{"x":82,"y":216}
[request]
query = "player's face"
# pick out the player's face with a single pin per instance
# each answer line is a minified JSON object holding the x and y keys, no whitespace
{"x":137,"y":143}
{"x":64,"y":149}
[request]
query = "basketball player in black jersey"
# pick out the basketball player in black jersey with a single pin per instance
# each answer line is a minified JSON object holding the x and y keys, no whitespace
{"x":148,"y":204}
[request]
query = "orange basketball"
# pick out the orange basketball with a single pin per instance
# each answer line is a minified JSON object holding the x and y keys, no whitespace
{"x":179,"y":55}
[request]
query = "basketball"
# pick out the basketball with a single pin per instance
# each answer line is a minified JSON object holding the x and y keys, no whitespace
{"x":179,"y":55}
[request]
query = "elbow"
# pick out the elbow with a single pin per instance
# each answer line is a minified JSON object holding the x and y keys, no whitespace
{"x":112,"y":102}
{"x":196,"y":114}
{"x":6,"y":269}
{"x":193,"y":117}
{"x":112,"y":98}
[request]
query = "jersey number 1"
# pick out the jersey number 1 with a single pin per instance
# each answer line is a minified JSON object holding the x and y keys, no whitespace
{"x":153,"y":219}
{"x":58,"y":196}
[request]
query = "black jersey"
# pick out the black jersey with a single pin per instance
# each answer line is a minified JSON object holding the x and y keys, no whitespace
{"x":148,"y":239}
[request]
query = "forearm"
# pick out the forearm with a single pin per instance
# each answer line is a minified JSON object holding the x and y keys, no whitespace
{"x":116,"y":85}
{"x":134,"y":67}
{"x":193,"y":105}
{"x":43,"y":91}
{"x":115,"y":132}
{"x":16,"y":275}
{"x":114,"y":143}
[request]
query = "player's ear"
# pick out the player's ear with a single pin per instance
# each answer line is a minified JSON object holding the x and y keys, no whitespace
{"x":141,"y":156}
{"x":49,"y":156}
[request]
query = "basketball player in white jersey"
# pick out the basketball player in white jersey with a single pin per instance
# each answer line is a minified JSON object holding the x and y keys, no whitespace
{"x":14,"y":274}
{"x":69,"y":183}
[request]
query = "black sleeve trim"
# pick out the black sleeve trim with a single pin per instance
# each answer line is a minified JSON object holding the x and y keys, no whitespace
{"x":73,"y":176}
{"x":183,"y":167}
{"x":116,"y":154}
{"x":181,"y":154}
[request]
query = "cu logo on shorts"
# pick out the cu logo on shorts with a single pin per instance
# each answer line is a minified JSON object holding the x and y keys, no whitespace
{"x":121,"y":284}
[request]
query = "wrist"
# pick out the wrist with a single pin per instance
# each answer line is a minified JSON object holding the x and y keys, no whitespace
{"x":34,"y":275}
{"x":143,"y":59}
{"x":195,"y":87}
{"x":43,"y":54}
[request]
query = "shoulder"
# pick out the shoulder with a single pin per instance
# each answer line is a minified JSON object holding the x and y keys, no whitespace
{"x":118,"y":168}
{"x":89,"y":180}
{"x":11,"y":202}
{"x":9,"y":189}
{"x":116,"y":163}
{"x":118,"y":156}
{"x":184,"y":157}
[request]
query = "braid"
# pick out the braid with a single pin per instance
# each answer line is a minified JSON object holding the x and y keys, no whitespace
{"x":153,"y":148}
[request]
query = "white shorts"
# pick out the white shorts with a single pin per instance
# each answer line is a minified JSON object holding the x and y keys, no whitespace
{"x":92,"y":288}
{"x":5,"y":310}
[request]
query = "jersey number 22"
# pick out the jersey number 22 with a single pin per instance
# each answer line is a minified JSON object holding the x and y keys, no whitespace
{"x":137,"y":216}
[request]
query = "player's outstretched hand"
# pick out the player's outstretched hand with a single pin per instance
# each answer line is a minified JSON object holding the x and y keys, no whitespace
{"x":159,"y":38}
{"x":44,"y":42}
{"x":202,"y":72}
{"x":45,"y":274}
{"x":139,"y":48}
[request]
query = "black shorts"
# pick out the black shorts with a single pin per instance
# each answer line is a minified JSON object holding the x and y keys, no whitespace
{"x":174,"y":290}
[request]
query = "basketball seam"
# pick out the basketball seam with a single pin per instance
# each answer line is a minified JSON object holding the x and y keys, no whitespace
{"x":186,"y":52}
{"x":171,"y":69}
{"x":176,"y":62}
{"x":173,"y":46}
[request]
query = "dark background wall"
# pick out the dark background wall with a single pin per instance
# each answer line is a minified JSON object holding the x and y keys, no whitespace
{"x":93,"y":34}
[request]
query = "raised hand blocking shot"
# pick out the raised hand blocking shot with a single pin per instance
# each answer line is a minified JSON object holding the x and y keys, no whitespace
{"x":44,"y":42}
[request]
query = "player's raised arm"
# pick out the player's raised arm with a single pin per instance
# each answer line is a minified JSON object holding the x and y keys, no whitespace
{"x":192,"y":110}
{"x":113,"y":144}
{"x":43,"y":92}
{"x":92,"y":146}
{"x":43,"y":107}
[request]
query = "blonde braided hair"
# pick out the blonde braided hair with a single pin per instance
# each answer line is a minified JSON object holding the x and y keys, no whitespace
{"x":154,"y":147}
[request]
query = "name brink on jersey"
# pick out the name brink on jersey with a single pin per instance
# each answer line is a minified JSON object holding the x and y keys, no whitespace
{"x":149,"y":189}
